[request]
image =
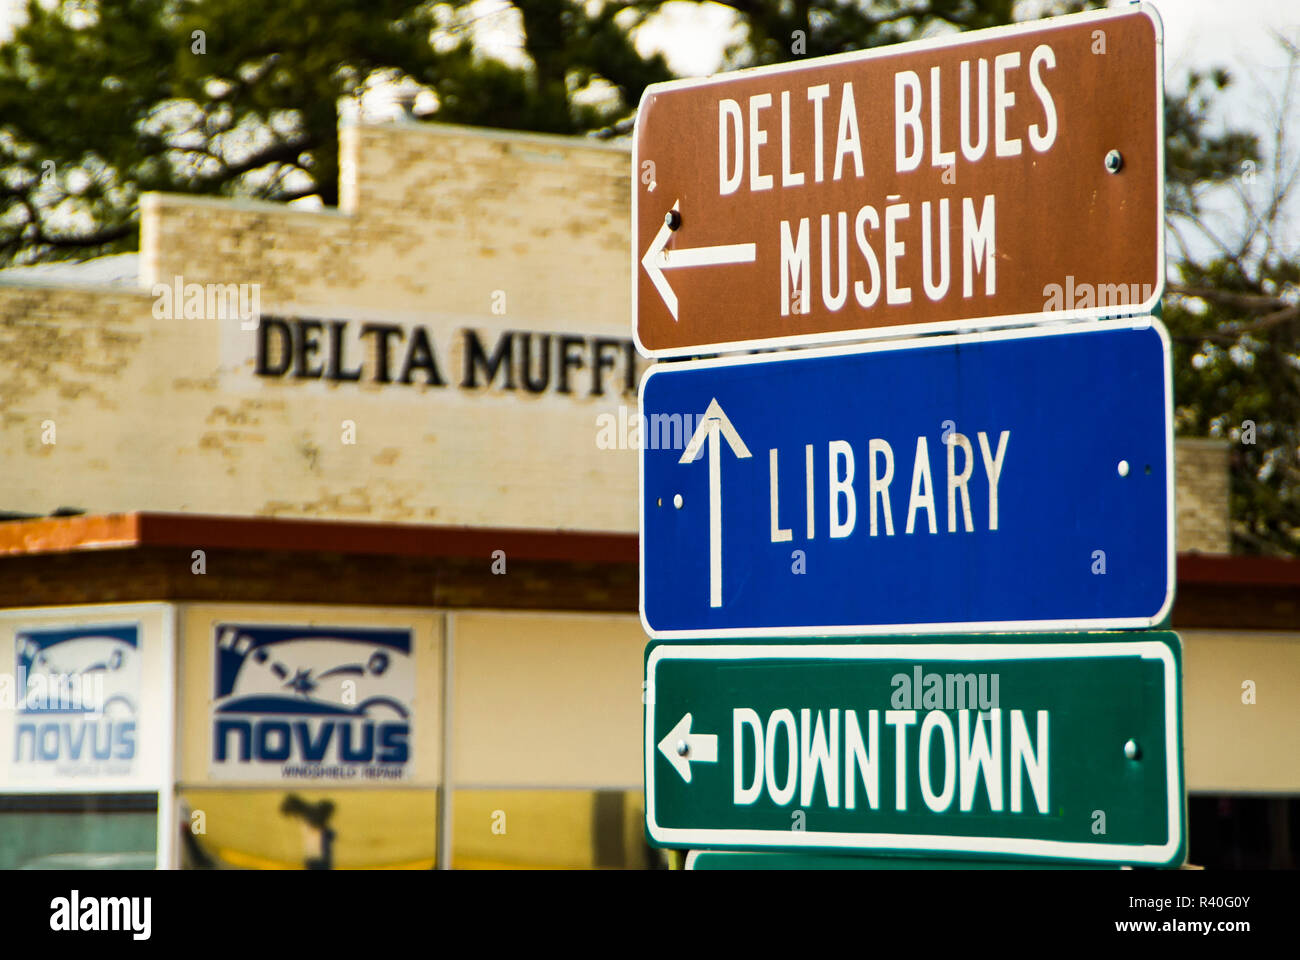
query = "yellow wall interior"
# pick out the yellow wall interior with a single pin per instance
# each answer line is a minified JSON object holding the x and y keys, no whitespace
{"x":547,"y":700}
{"x":1232,"y":746}
{"x":557,"y":829}
{"x":374,"y":829}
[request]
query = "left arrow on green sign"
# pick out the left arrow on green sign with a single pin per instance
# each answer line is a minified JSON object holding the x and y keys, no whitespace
{"x":681,"y":747}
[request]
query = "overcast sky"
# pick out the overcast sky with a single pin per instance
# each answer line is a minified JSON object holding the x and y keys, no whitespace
{"x":1197,"y":32}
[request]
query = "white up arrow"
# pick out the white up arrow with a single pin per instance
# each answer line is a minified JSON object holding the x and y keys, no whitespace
{"x":715,"y":422}
{"x":657,"y":260}
{"x":681,"y":747}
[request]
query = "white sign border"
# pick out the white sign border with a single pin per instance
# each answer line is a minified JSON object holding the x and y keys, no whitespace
{"x":1153,"y":854}
{"x":902,"y":330}
{"x":1000,"y":626}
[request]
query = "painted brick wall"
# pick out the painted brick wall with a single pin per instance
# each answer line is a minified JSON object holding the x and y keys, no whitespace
{"x":441,"y":227}
{"x":1201,"y":497}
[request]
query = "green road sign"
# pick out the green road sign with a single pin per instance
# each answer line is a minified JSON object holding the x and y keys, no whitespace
{"x":1051,"y":746}
{"x":762,"y":860}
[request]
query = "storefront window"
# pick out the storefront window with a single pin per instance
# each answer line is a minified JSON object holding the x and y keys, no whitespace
{"x":78,"y":831}
{"x":551,"y":829}
{"x":277,"y":829}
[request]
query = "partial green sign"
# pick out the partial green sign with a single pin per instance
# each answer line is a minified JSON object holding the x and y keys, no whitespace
{"x":780,"y":860}
{"x":1048,"y":746}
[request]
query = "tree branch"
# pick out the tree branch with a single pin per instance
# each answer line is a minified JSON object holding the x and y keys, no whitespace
{"x":96,"y":239}
{"x":286,"y":152}
{"x":1230,"y":336}
{"x":1250,"y":302}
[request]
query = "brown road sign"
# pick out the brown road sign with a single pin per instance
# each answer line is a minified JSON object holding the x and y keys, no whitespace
{"x":993,"y":177}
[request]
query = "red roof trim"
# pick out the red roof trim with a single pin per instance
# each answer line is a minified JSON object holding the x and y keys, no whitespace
{"x":125,"y":531}
{"x":1254,"y":571}
{"x":132,"y":530}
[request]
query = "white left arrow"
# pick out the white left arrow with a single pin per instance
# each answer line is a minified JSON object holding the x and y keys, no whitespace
{"x":681,"y":747}
{"x":712,"y":429}
{"x":657,"y":260}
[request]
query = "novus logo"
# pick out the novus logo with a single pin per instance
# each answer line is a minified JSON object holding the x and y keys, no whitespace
{"x":294,"y":703}
{"x":75,"y":913}
{"x":80,"y":691}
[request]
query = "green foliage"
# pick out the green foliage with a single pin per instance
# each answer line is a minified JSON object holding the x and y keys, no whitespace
{"x":1234,"y":313}
{"x":1236,"y":333}
{"x":1198,"y":159}
{"x":100,"y":102}
{"x":1237,"y":376}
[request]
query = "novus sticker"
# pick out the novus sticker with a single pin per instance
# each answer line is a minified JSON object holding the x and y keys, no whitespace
{"x":77,"y":700}
{"x":298,"y":703}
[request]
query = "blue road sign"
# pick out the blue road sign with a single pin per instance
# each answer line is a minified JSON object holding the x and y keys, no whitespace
{"x":1019,"y":480}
